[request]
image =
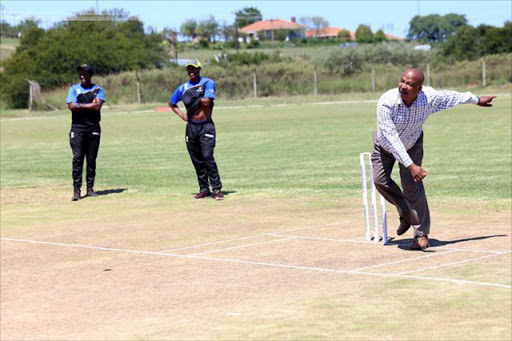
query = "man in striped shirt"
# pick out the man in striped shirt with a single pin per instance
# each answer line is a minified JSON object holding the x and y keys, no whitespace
{"x":401,"y":113}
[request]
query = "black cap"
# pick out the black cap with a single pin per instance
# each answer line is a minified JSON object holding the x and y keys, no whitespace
{"x":85,"y":67}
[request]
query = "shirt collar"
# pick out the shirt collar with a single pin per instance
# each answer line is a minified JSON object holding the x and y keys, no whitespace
{"x":420,"y":100}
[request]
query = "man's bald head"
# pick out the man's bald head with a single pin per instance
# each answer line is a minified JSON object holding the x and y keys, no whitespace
{"x":410,"y":85}
{"x":415,"y":74}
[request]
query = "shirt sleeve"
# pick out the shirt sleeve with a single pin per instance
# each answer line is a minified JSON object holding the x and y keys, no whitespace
{"x":101,"y":94}
{"x":209,"y":90}
{"x":71,"y":96}
{"x":445,"y":99}
{"x":388,"y":135}
{"x":176,"y":96}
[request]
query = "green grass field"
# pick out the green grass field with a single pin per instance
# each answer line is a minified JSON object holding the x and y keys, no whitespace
{"x":313,"y":53}
{"x":275,"y":258}
{"x":8,"y":47}
{"x":267,"y":148}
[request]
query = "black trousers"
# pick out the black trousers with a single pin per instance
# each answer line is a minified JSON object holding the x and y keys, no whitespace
{"x":200,"y":138}
{"x":85,"y":145}
{"x":410,"y":201}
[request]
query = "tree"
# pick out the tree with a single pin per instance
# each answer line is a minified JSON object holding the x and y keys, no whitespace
{"x":227,"y":31}
{"x":50,"y":57}
{"x":7,"y":30}
{"x":208,"y":29}
{"x":435,"y":28}
{"x":247,"y":16}
{"x":380,"y":36}
{"x":464,"y":44}
{"x":454,"y":21}
{"x":344,"y":36}
{"x":364,"y":34}
{"x":27,"y":25}
{"x":189,"y":28}
{"x":315,"y":23}
{"x":470,"y":43}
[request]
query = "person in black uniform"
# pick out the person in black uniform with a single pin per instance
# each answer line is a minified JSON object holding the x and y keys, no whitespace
{"x":85,"y":100}
{"x":198,"y":95}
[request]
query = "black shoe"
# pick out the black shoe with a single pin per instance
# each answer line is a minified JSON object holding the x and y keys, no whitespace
{"x":76,"y":196}
{"x":91,"y":193}
{"x":404,"y":226}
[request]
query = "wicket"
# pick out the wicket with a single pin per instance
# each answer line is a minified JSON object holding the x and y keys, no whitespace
{"x":376,"y":238}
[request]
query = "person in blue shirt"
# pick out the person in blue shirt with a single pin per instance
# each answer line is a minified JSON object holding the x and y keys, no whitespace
{"x":198,"y":95}
{"x":85,"y":100}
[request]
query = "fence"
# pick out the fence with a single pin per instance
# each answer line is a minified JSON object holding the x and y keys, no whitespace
{"x":285,"y":79}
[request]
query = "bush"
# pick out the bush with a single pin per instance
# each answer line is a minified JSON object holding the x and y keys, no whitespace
{"x":51,"y":57}
{"x":346,"y":62}
{"x":253,"y":44}
{"x":16,"y":93}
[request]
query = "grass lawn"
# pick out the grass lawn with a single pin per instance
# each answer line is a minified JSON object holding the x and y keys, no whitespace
{"x":282,"y":257}
{"x":8,"y":47}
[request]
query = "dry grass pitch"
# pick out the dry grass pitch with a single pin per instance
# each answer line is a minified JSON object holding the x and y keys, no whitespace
{"x":278,"y":269}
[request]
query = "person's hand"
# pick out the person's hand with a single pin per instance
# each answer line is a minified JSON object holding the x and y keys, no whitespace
{"x":485,"y":101}
{"x":184,"y":118}
{"x":418,"y":173}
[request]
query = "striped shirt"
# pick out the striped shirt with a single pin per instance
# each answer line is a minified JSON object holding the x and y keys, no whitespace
{"x":399,"y":126}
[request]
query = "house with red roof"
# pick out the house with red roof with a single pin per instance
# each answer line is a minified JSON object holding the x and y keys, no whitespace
{"x":332,"y":32}
{"x":267,"y":29}
{"x":328,"y":32}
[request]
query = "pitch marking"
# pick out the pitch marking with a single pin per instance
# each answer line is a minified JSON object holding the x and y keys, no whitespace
{"x":276,"y":265}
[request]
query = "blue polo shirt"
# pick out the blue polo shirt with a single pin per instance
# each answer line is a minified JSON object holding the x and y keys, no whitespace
{"x":190,"y":94}
{"x":85,"y":120}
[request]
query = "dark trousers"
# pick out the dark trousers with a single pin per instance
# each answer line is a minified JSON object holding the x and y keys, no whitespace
{"x":85,"y":145}
{"x":411,"y":201}
{"x":200,"y":138}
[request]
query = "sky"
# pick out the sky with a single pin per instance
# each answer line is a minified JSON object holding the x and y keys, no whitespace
{"x":392,"y":17}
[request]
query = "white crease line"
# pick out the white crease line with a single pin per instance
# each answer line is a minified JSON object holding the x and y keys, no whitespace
{"x":438,"y":279}
{"x":242,"y":246}
{"x":311,"y":227}
{"x":250,"y":237}
{"x":468,"y":250}
{"x":213,"y":243}
{"x":86,"y":246}
{"x":406,"y":260}
{"x":378,"y":274}
{"x":296,"y":267}
{"x":363,"y":241}
{"x":453,"y":263}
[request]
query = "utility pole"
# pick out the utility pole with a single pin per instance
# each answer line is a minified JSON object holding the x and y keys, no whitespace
{"x":237,"y":43}
{"x":272,"y":29}
{"x":174,"y":40}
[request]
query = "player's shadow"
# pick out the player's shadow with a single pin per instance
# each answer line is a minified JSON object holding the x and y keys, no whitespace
{"x":404,"y":243}
{"x":111,"y":191}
